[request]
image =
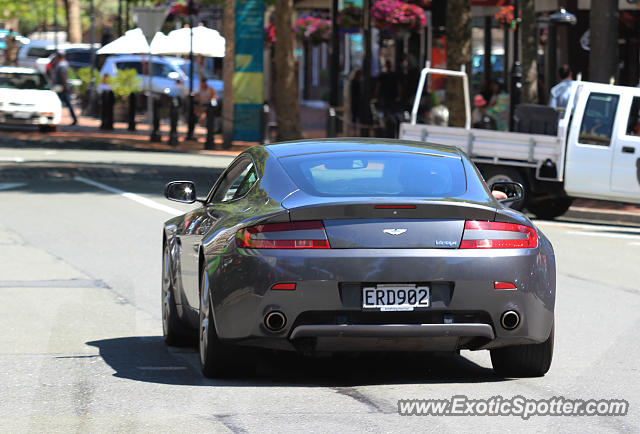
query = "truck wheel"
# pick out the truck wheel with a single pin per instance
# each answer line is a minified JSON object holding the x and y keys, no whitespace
{"x":549,"y":209}
{"x":530,"y":360}
{"x":493,"y":174}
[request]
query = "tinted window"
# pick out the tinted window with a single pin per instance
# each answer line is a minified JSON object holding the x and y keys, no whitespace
{"x":79,"y":56}
{"x":236,"y":183}
{"x":161,"y":70}
{"x":377,"y":174}
{"x":597,"y":121}
{"x":21,"y":80}
{"x":130,"y":65}
{"x":39,"y":52}
{"x":633,"y":124}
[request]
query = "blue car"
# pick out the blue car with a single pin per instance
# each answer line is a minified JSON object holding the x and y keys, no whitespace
{"x":170,"y":74}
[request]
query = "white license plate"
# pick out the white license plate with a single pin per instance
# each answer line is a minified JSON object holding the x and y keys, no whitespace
{"x":395,"y":297}
{"x":21,"y":115}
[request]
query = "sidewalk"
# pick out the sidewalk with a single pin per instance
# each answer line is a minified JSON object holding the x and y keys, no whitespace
{"x":87,"y":135}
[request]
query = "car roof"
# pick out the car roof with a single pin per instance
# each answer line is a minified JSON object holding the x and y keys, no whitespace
{"x":18,"y":70}
{"x":317,"y":146}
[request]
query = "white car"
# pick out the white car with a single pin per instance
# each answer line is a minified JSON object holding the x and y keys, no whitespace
{"x":27,"y":99}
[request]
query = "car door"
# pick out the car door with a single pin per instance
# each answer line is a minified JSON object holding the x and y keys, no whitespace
{"x":590,"y":154}
{"x":625,"y":170}
{"x":234,"y":183}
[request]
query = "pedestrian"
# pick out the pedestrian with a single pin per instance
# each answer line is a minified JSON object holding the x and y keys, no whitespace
{"x":560,"y":92}
{"x":479,"y":117}
{"x":61,"y":85}
{"x":11,"y":50}
{"x":355,"y":90}
{"x":204,"y":98}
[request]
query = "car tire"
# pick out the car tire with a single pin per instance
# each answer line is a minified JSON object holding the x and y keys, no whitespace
{"x":216,"y":359}
{"x":493,"y":174}
{"x":550,"y":208}
{"x":174,"y":331}
{"x":48,"y":128}
{"x":530,"y":360}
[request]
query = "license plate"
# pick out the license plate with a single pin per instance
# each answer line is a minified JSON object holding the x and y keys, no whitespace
{"x":21,"y":115}
{"x":395,"y":297}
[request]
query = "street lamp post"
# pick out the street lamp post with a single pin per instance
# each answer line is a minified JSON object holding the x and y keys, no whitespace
{"x":562,"y":17}
{"x":92,"y":37}
{"x":516,"y":69}
{"x":55,"y":24}
{"x":191,"y":119}
{"x":334,"y":67}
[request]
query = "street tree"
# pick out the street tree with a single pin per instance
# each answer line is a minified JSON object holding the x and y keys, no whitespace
{"x":286,"y":86}
{"x":603,"y":57}
{"x":458,"y":35}
{"x":529,"y":36}
{"x":74,"y":25}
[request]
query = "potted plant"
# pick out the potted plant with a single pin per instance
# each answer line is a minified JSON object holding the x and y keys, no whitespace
{"x":350,"y":19}
{"x":123,"y":84}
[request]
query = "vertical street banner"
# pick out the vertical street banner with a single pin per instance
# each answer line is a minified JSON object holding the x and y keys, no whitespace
{"x":248,"y":70}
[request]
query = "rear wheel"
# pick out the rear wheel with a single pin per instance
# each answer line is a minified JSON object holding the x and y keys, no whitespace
{"x":550,"y":208}
{"x":173,"y":329}
{"x":493,"y":174}
{"x":531,"y":360}
{"x":215,"y":356}
{"x":48,"y":128}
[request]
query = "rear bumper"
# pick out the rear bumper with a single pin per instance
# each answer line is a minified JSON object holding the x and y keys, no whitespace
{"x":34,"y":119}
{"x":324,"y":312}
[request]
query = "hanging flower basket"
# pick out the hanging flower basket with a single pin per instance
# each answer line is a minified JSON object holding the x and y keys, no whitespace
{"x":397,"y":16}
{"x":181,"y":10}
{"x":505,"y":16}
{"x":313,"y":29}
{"x":270,"y":33}
{"x":350,"y":19}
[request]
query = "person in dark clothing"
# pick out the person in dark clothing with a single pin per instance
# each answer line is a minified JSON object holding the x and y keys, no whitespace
{"x":355,"y":95}
{"x":61,"y":85}
{"x":388,"y":89}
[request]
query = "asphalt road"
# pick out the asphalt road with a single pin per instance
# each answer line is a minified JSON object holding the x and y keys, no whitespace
{"x":81,"y":346}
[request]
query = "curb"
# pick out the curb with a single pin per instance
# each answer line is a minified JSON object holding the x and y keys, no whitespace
{"x":608,"y":216}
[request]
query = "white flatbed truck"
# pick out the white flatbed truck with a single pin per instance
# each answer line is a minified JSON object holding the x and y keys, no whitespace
{"x":594,"y":153}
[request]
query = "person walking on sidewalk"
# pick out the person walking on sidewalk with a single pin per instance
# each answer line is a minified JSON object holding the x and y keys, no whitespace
{"x":560,"y":92}
{"x":61,"y":85}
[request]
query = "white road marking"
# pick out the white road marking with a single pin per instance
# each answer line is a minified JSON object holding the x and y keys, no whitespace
{"x":10,"y":185}
{"x":131,"y":196}
{"x":605,"y":234}
{"x":12,"y":159}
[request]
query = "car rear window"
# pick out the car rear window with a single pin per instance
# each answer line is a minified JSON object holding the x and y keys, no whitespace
{"x":377,"y":174}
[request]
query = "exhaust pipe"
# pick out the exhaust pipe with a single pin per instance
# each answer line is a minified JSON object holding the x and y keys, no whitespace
{"x":510,"y":320}
{"x":275,"y":321}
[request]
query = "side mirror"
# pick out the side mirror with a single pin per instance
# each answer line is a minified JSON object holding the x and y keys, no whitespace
{"x":180,"y":191}
{"x":507,"y":191}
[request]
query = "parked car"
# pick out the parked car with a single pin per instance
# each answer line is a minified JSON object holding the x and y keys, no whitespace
{"x":166,"y":72}
{"x":26,"y":98}
{"x":357,"y":245}
{"x":38,"y":54}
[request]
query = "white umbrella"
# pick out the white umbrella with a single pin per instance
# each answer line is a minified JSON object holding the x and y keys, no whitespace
{"x":133,"y":42}
{"x":206,"y":42}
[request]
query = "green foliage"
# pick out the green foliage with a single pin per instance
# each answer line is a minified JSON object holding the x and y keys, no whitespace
{"x":84,"y":74}
{"x":124,"y":83}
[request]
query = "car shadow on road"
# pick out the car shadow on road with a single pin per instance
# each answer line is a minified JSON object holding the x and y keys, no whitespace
{"x":148,"y":359}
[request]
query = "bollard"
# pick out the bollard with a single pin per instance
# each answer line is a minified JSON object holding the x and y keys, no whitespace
{"x":211,"y":118}
{"x":331,"y":122}
{"x":264,"y":124}
{"x":132,"y":112}
{"x":106,"y":112}
{"x":173,"y":121}
{"x":155,"y":132}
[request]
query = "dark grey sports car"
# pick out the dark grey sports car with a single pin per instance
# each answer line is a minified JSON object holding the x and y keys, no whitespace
{"x":357,"y":245}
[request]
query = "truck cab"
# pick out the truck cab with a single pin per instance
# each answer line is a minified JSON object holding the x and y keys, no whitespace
{"x":603,"y":146}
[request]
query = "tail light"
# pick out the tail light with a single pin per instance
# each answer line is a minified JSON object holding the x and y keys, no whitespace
{"x":294,"y":235}
{"x":496,"y":235}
